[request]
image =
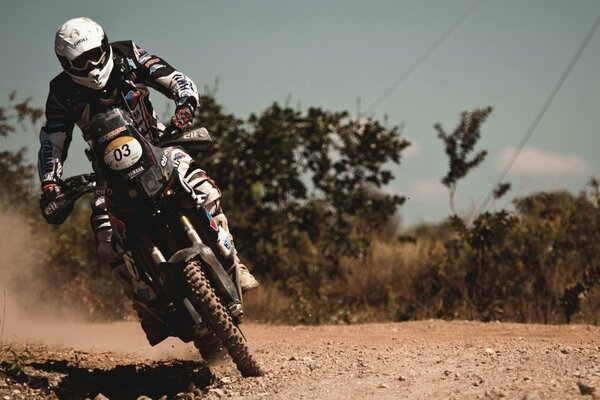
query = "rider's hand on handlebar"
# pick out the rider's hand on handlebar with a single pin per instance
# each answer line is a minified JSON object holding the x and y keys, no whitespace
{"x":50,"y":193}
{"x":50,"y":188}
{"x":184,"y":115}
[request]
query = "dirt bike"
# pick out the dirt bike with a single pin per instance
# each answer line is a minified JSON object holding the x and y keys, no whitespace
{"x":179,"y":261}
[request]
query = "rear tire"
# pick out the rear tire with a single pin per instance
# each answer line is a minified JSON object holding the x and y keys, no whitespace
{"x":220,"y":320}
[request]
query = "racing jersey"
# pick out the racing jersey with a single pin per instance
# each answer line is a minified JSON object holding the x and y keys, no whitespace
{"x":134,"y":72}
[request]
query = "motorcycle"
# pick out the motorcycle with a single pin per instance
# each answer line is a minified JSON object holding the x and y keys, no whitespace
{"x":179,"y":261}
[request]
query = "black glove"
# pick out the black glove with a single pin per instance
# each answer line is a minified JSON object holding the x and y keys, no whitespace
{"x":184,"y":115}
{"x":50,"y":201}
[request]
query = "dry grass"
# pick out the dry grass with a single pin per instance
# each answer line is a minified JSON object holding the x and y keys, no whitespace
{"x":382,"y":287}
{"x":267,"y":304}
{"x":413,"y":281}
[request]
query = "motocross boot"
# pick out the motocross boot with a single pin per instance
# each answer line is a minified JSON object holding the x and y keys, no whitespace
{"x":247,"y":280}
{"x":120,"y":273}
{"x":210,"y":346}
{"x":155,"y":329}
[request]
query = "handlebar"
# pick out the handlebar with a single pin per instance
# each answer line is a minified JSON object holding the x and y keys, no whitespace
{"x":77,"y":181}
{"x":170,"y":129}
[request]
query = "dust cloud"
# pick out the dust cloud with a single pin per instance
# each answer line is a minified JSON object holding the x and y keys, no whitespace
{"x":24,"y":318}
{"x":18,"y":269}
{"x":28,"y":309}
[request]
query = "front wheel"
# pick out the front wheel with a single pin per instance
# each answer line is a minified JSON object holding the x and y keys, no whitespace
{"x":220,"y":320}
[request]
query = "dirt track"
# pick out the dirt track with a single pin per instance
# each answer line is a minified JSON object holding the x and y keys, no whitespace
{"x":414,"y":360}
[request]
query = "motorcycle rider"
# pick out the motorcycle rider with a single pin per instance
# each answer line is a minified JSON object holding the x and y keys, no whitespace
{"x":97,"y":75}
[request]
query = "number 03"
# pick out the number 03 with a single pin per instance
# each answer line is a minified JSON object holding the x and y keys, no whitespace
{"x":122,"y":152}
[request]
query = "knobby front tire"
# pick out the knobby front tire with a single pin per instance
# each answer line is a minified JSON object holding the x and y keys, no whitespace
{"x":220,"y":320}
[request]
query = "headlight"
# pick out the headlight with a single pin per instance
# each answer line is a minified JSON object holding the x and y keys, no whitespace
{"x":151,"y":181}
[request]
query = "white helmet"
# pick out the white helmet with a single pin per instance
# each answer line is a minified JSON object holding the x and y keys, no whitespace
{"x":84,"y":53}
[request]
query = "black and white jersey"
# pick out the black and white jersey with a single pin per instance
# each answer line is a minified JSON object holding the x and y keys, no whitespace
{"x":70,"y":104}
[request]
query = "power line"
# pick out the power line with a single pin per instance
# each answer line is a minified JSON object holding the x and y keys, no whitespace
{"x":423,"y":56}
{"x":540,"y":114}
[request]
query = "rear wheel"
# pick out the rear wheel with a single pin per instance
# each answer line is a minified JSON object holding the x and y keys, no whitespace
{"x":220,"y":320}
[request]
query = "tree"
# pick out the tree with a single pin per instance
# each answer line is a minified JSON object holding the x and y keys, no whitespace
{"x":459,"y":145}
{"x":299,"y":188}
{"x":17,"y":174}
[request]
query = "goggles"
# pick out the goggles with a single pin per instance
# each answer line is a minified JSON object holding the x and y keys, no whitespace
{"x":86,"y":62}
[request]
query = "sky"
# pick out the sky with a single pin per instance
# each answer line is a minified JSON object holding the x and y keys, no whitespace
{"x":508,"y":54}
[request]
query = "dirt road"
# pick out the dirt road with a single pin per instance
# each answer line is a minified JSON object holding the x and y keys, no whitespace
{"x":414,"y":360}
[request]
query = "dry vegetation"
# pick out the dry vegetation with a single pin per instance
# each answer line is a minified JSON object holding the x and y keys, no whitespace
{"x":330,"y":251}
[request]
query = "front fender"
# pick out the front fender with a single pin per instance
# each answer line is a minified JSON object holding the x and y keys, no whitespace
{"x":217,"y":274}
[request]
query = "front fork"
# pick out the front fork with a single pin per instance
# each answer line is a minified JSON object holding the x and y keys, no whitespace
{"x":212,"y":231}
{"x":225,"y":247}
